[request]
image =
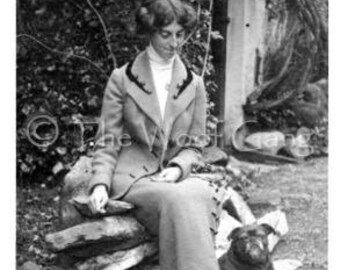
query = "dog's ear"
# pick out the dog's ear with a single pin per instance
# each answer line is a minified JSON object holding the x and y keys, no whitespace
{"x":269,"y":229}
{"x":234,"y":233}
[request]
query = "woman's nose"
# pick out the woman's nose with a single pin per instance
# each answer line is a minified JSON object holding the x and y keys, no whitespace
{"x":174,"y":42}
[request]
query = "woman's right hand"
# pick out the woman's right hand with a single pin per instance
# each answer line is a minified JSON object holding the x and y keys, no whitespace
{"x":98,"y":199}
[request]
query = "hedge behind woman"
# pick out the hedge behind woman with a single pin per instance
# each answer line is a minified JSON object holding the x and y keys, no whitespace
{"x":153,"y":119}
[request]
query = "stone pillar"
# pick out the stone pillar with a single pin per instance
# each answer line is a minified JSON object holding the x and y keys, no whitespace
{"x":245,"y":43}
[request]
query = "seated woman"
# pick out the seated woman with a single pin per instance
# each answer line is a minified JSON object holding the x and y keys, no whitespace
{"x":152,"y":127}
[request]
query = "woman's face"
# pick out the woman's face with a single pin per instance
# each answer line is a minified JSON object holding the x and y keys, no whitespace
{"x":167,"y":40}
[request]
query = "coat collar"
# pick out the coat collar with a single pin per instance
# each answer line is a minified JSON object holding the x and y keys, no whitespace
{"x":181,"y":93}
{"x":142,"y":89}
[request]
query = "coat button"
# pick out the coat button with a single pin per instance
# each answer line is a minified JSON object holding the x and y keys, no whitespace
{"x":213,"y":231}
{"x":214,"y":215}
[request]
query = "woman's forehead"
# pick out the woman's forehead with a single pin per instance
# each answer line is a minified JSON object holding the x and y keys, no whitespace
{"x":173,"y":27}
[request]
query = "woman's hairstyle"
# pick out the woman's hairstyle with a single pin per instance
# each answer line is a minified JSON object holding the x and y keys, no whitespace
{"x":153,"y":15}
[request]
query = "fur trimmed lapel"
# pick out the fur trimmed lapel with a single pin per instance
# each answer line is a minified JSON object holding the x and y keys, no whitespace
{"x":142,"y":90}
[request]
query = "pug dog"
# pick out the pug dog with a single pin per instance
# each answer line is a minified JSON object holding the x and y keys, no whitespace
{"x":248,"y":249}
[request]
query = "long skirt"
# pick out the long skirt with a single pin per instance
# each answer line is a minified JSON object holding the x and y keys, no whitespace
{"x":184,"y":216}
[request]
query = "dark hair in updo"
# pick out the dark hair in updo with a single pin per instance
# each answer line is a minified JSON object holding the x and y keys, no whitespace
{"x":156,"y":14}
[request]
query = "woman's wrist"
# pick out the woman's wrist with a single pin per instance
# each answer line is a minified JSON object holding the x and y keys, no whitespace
{"x":99,"y":188}
{"x":174,"y":165}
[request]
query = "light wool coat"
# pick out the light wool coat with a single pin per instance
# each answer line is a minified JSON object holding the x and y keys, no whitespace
{"x":133,"y":140}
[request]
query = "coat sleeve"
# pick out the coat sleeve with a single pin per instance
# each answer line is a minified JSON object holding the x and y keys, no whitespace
{"x":192,"y":154}
{"x":110,"y":129}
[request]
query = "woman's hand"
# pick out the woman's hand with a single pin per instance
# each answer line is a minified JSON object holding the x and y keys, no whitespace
{"x":98,"y":199}
{"x":168,"y":175}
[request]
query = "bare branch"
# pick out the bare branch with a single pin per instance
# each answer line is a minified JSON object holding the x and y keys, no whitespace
{"x":105,"y":33}
{"x":194,"y":30}
{"x":63,"y":53}
{"x":209,"y":39}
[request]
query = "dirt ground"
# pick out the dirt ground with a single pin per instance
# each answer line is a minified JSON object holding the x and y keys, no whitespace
{"x":303,"y":192}
{"x":299,"y":190}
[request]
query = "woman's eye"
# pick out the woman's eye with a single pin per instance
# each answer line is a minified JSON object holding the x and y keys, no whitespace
{"x":164,"y":34}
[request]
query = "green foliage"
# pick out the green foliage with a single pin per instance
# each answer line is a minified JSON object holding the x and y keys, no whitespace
{"x":64,"y":58}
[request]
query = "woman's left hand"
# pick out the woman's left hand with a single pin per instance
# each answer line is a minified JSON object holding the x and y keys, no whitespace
{"x":168,"y":175}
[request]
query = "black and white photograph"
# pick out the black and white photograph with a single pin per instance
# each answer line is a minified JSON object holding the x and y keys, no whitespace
{"x":171,"y":135}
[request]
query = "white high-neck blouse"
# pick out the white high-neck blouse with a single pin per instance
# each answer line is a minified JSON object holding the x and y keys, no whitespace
{"x":161,"y":73}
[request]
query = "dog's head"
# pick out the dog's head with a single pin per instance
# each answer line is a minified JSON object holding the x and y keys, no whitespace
{"x":250,"y":243}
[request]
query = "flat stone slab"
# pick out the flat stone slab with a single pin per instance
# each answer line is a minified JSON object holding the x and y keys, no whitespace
{"x":269,"y":142}
{"x":30,"y":266}
{"x":248,"y":168}
{"x":113,"y":207}
{"x":98,"y":236}
{"x":119,"y":260}
{"x":267,"y":199}
{"x":214,"y":155}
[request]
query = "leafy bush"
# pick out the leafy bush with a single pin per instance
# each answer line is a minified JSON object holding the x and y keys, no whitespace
{"x":66,"y":51}
{"x":294,"y":91}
